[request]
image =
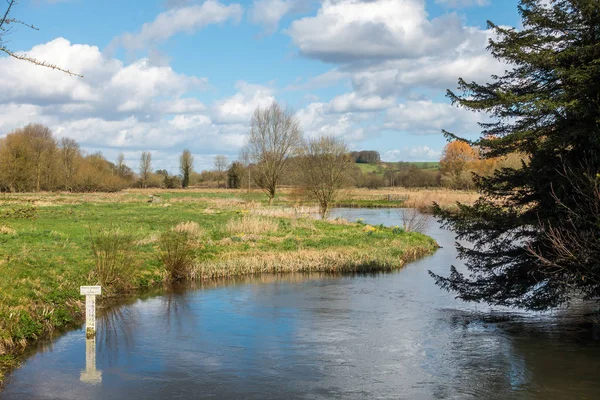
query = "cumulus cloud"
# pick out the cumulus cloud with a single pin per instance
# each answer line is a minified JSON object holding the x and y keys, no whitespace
{"x":239,"y":107}
{"x":187,"y":19}
{"x":391,"y":48}
{"x":353,"y":102}
{"x":316,"y":120}
{"x":128,"y":107}
{"x":352,"y":30}
{"x":426,"y":117}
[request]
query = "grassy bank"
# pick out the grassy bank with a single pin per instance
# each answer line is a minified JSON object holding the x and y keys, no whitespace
{"x":46,"y":249}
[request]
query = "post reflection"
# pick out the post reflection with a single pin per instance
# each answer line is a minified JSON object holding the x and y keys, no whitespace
{"x":90,"y":375}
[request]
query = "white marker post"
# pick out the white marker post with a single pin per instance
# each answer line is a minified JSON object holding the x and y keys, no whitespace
{"x":90,"y":293}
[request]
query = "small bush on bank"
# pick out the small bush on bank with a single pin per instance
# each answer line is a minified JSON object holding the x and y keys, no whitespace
{"x":177,"y":253}
{"x":113,"y":258}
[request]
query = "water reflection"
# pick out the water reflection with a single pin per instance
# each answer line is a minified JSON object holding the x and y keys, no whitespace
{"x":90,"y":375}
{"x":322,"y":336}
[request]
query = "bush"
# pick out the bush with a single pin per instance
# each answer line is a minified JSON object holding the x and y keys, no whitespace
{"x":113,"y":258}
{"x":177,"y":253}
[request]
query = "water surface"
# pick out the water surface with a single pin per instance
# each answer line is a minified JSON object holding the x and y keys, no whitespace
{"x":379,"y":336}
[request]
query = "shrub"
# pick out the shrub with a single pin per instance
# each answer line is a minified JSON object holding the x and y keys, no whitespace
{"x":177,"y":253}
{"x":113,"y":258}
{"x":413,"y":220}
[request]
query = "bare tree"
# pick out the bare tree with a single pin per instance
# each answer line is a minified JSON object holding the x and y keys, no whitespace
{"x":186,"y":165}
{"x":145,"y":167}
{"x":69,"y":152}
{"x":325,"y":168}
{"x":120,"y":166}
{"x":413,"y":220}
{"x":220,"y":167}
{"x":245,"y":160}
{"x":43,"y":145}
{"x":6,"y":22}
{"x":274,"y":136}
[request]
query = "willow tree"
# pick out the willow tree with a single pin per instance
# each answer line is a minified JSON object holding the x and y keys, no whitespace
{"x":274,"y":137}
{"x":536,"y":229}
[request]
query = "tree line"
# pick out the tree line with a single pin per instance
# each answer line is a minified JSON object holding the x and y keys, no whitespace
{"x":32,"y":159}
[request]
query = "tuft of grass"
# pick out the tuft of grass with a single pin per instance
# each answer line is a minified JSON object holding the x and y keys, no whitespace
{"x":251,"y":224}
{"x":5,"y":230}
{"x":192,"y":229}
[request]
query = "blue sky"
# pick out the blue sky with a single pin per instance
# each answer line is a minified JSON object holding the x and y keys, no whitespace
{"x":164,"y":75}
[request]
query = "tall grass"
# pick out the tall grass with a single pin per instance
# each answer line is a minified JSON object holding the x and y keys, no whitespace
{"x":113,"y":258}
{"x":251,"y":224}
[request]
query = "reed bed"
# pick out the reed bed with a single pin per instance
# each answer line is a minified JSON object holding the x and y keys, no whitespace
{"x":302,"y":261}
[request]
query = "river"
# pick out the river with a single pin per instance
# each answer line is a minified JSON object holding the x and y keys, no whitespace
{"x":378,"y":336}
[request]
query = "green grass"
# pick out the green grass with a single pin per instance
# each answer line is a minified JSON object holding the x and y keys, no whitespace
{"x":46,"y":254}
{"x":368,"y":168}
{"x":380,"y":168}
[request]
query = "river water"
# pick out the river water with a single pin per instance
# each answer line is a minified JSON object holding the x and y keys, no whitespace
{"x":379,"y":336}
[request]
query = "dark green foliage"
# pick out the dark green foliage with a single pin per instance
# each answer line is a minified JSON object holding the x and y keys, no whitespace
{"x":28,"y":212}
{"x":536,"y":229}
{"x":366,"y":156}
{"x":235,"y":175}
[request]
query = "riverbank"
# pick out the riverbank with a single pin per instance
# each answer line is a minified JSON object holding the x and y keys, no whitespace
{"x":46,"y":249}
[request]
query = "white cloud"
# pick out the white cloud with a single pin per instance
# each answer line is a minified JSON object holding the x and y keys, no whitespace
{"x":268,"y":13}
{"x":317,"y":120}
{"x":176,"y":20}
{"x":426,"y":117}
{"x":352,"y":102}
{"x":127,"y":107}
{"x":463,"y":3}
{"x":351,"y":30}
{"x":416,"y":153}
{"x":239,"y":107}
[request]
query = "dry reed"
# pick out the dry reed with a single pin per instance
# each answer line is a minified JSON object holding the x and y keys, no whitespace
{"x":251,"y":224}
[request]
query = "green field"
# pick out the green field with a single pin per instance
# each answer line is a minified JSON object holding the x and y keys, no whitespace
{"x":383,"y":166}
{"x":46,"y":249}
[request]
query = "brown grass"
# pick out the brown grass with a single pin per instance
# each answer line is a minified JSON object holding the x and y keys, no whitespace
{"x":251,"y":224}
{"x":419,"y":198}
{"x":328,"y":261}
{"x":192,"y":229}
{"x":5,"y":230}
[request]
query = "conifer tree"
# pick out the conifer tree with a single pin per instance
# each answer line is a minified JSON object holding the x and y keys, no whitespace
{"x":536,"y":229}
